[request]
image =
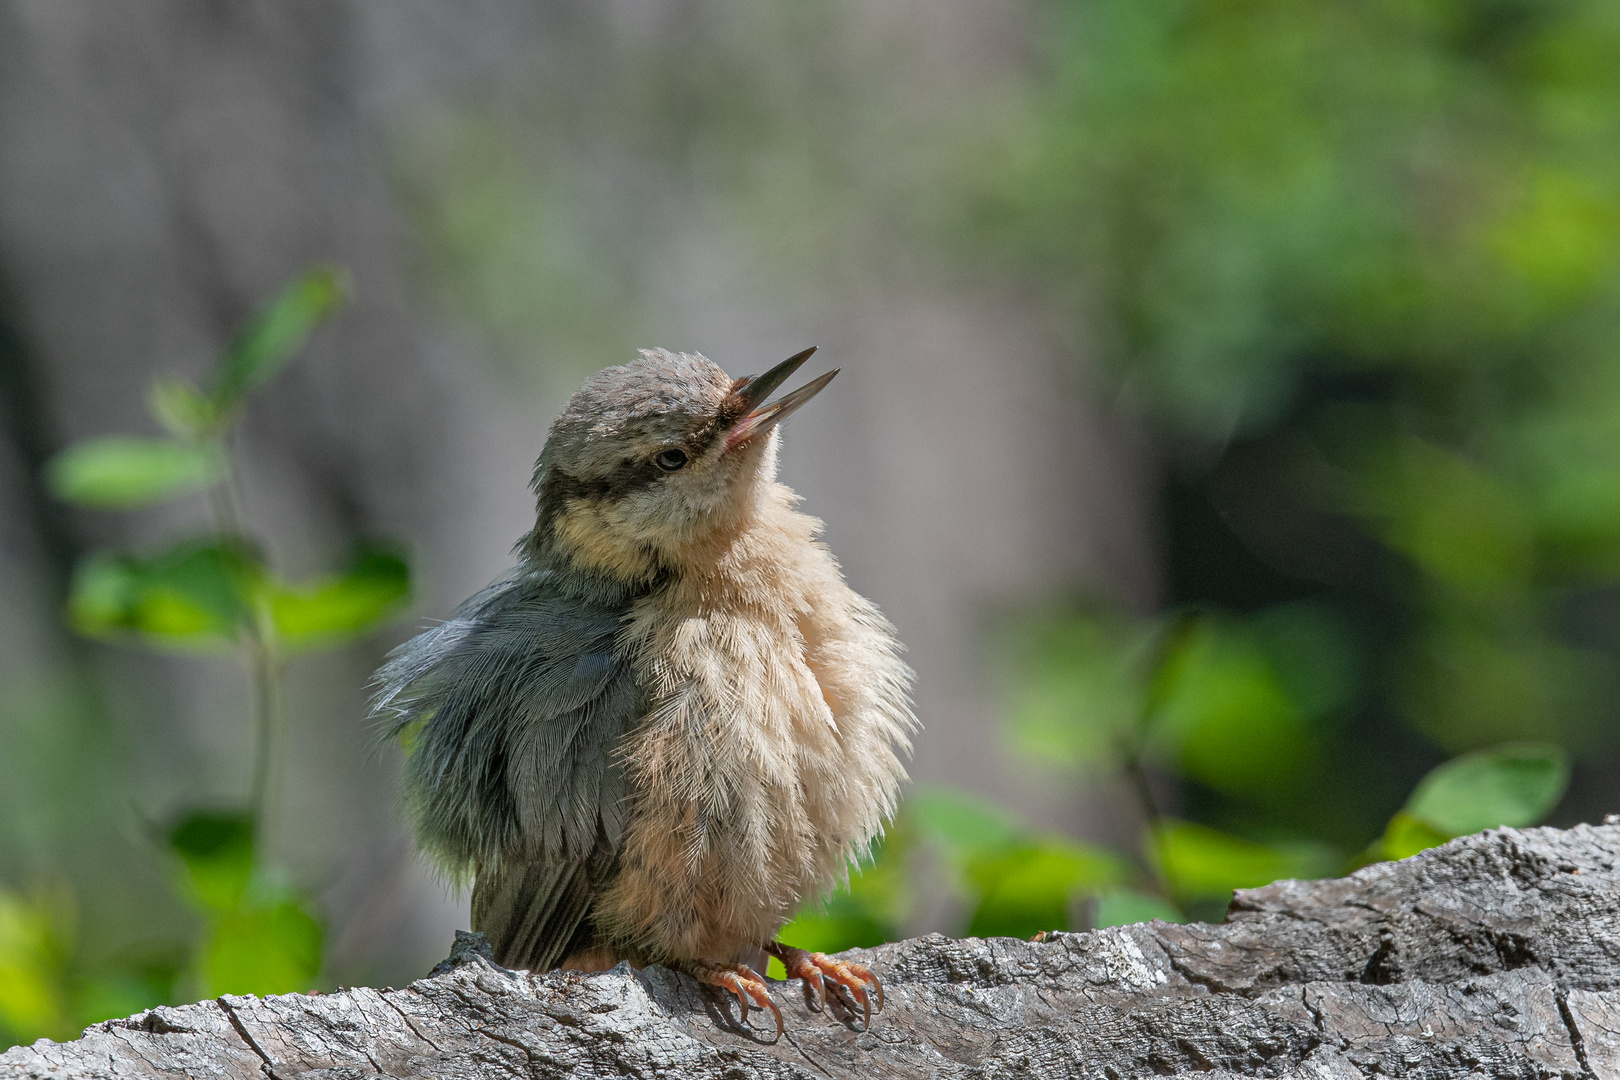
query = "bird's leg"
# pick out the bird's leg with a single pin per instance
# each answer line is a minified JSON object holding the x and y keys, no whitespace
{"x":815,"y":968}
{"x":741,"y":980}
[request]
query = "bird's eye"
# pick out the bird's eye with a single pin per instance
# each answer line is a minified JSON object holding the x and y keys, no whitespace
{"x":670,"y":460}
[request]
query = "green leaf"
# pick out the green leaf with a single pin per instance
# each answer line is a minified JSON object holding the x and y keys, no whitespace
{"x":1224,"y":714}
{"x":1031,"y":887}
{"x":259,"y":940}
{"x":277,"y":333}
{"x":120,"y":472}
{"x":1122,"y":907}
{"x":182,"y":409}
{"x":110,"y":996}
{"x":188,"y":597}
{"x":841,"y":924}
{"x":269,"y":949}
{"x":1200,"y":861}
{"x":1457,"y":520}
{"x":375,"y":587}
{"x":1312,"y":652}
{"x":216,"y":850}
{"x":1514,"y":785}
{"x":32,"y":994}
{"x":1022,"y":882}
{"x":1407,"y":834}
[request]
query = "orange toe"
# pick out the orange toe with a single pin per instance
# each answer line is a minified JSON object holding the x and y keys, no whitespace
{"x":815,"y":968}
{"x":744,"y":982}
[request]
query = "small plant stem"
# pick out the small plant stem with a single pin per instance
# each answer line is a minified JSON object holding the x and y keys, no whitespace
{"x":1143,"y":787}
{"x":1148,"y":806}
{"x":225,"y":497}
{"x":264,"y":663}
{"x":267,"y":692}
{"x":1170,"y":640}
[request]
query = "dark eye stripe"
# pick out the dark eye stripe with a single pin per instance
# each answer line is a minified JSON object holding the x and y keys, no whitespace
{"x":558,"y":488}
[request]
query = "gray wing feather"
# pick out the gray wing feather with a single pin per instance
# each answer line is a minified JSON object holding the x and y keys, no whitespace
{"x":534,"y":914}
{"x":512,"y":711}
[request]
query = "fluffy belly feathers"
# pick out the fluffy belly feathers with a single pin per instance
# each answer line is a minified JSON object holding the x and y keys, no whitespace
{"x":769,"y":757}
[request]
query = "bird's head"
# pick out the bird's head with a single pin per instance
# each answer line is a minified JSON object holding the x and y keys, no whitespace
{"x":651,"y":462}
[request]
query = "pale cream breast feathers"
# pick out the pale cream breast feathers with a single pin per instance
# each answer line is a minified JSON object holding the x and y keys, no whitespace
{"x":771,"y":756}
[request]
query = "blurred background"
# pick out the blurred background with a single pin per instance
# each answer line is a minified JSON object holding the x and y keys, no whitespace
{"x":1230,"y":423}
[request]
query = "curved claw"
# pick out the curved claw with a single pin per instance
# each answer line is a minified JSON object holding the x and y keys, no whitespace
{"x":857,"y":991}
{"x":814,"y":968}
{"x":815,"y":987}
{"x":743,"y":982}
{"x":865,"y":976}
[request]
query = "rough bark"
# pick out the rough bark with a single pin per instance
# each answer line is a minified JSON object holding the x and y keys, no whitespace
{"x":1495,"y":955}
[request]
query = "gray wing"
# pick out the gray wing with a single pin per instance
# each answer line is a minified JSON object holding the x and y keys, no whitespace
{"x":535,"y":914}
{"x":511,"y":713}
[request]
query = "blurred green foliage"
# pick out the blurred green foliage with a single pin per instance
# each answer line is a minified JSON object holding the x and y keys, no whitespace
{"x":258,"y":938}
{"x":122,"y":472}
{"x":252,"y":932}
{"x":1357,"y":263}
{"x":1357,"y":267}
{"x":1014,"y":881}
{"x":1019,"y":881}
{"x":1009,"y":879}
{"x":271,"y":339}
{"x":32,"y":944}
{"x":203,"y":594}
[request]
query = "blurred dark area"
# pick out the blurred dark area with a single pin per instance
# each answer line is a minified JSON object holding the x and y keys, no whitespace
{"x":1230,"y":423}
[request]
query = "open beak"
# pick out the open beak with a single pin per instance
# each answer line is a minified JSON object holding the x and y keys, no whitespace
{"x":760,"y":418}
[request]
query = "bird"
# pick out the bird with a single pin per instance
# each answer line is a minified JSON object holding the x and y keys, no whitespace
{"x":672,"y":722}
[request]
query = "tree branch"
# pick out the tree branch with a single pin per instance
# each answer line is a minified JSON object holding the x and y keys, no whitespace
{"x":1495,"y":955}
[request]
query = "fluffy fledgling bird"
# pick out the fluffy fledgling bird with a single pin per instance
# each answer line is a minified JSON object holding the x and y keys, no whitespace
{"x":672,"y":722}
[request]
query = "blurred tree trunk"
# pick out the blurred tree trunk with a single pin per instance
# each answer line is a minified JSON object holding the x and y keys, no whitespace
{"x":1490,"y":956}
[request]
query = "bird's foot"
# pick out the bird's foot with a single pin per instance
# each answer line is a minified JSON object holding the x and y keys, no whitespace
{"x":741,"y":980}
{"x":815,"y":968}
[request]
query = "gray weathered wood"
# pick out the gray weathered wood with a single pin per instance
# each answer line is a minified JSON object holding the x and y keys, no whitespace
{"x":1495,"y":955}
